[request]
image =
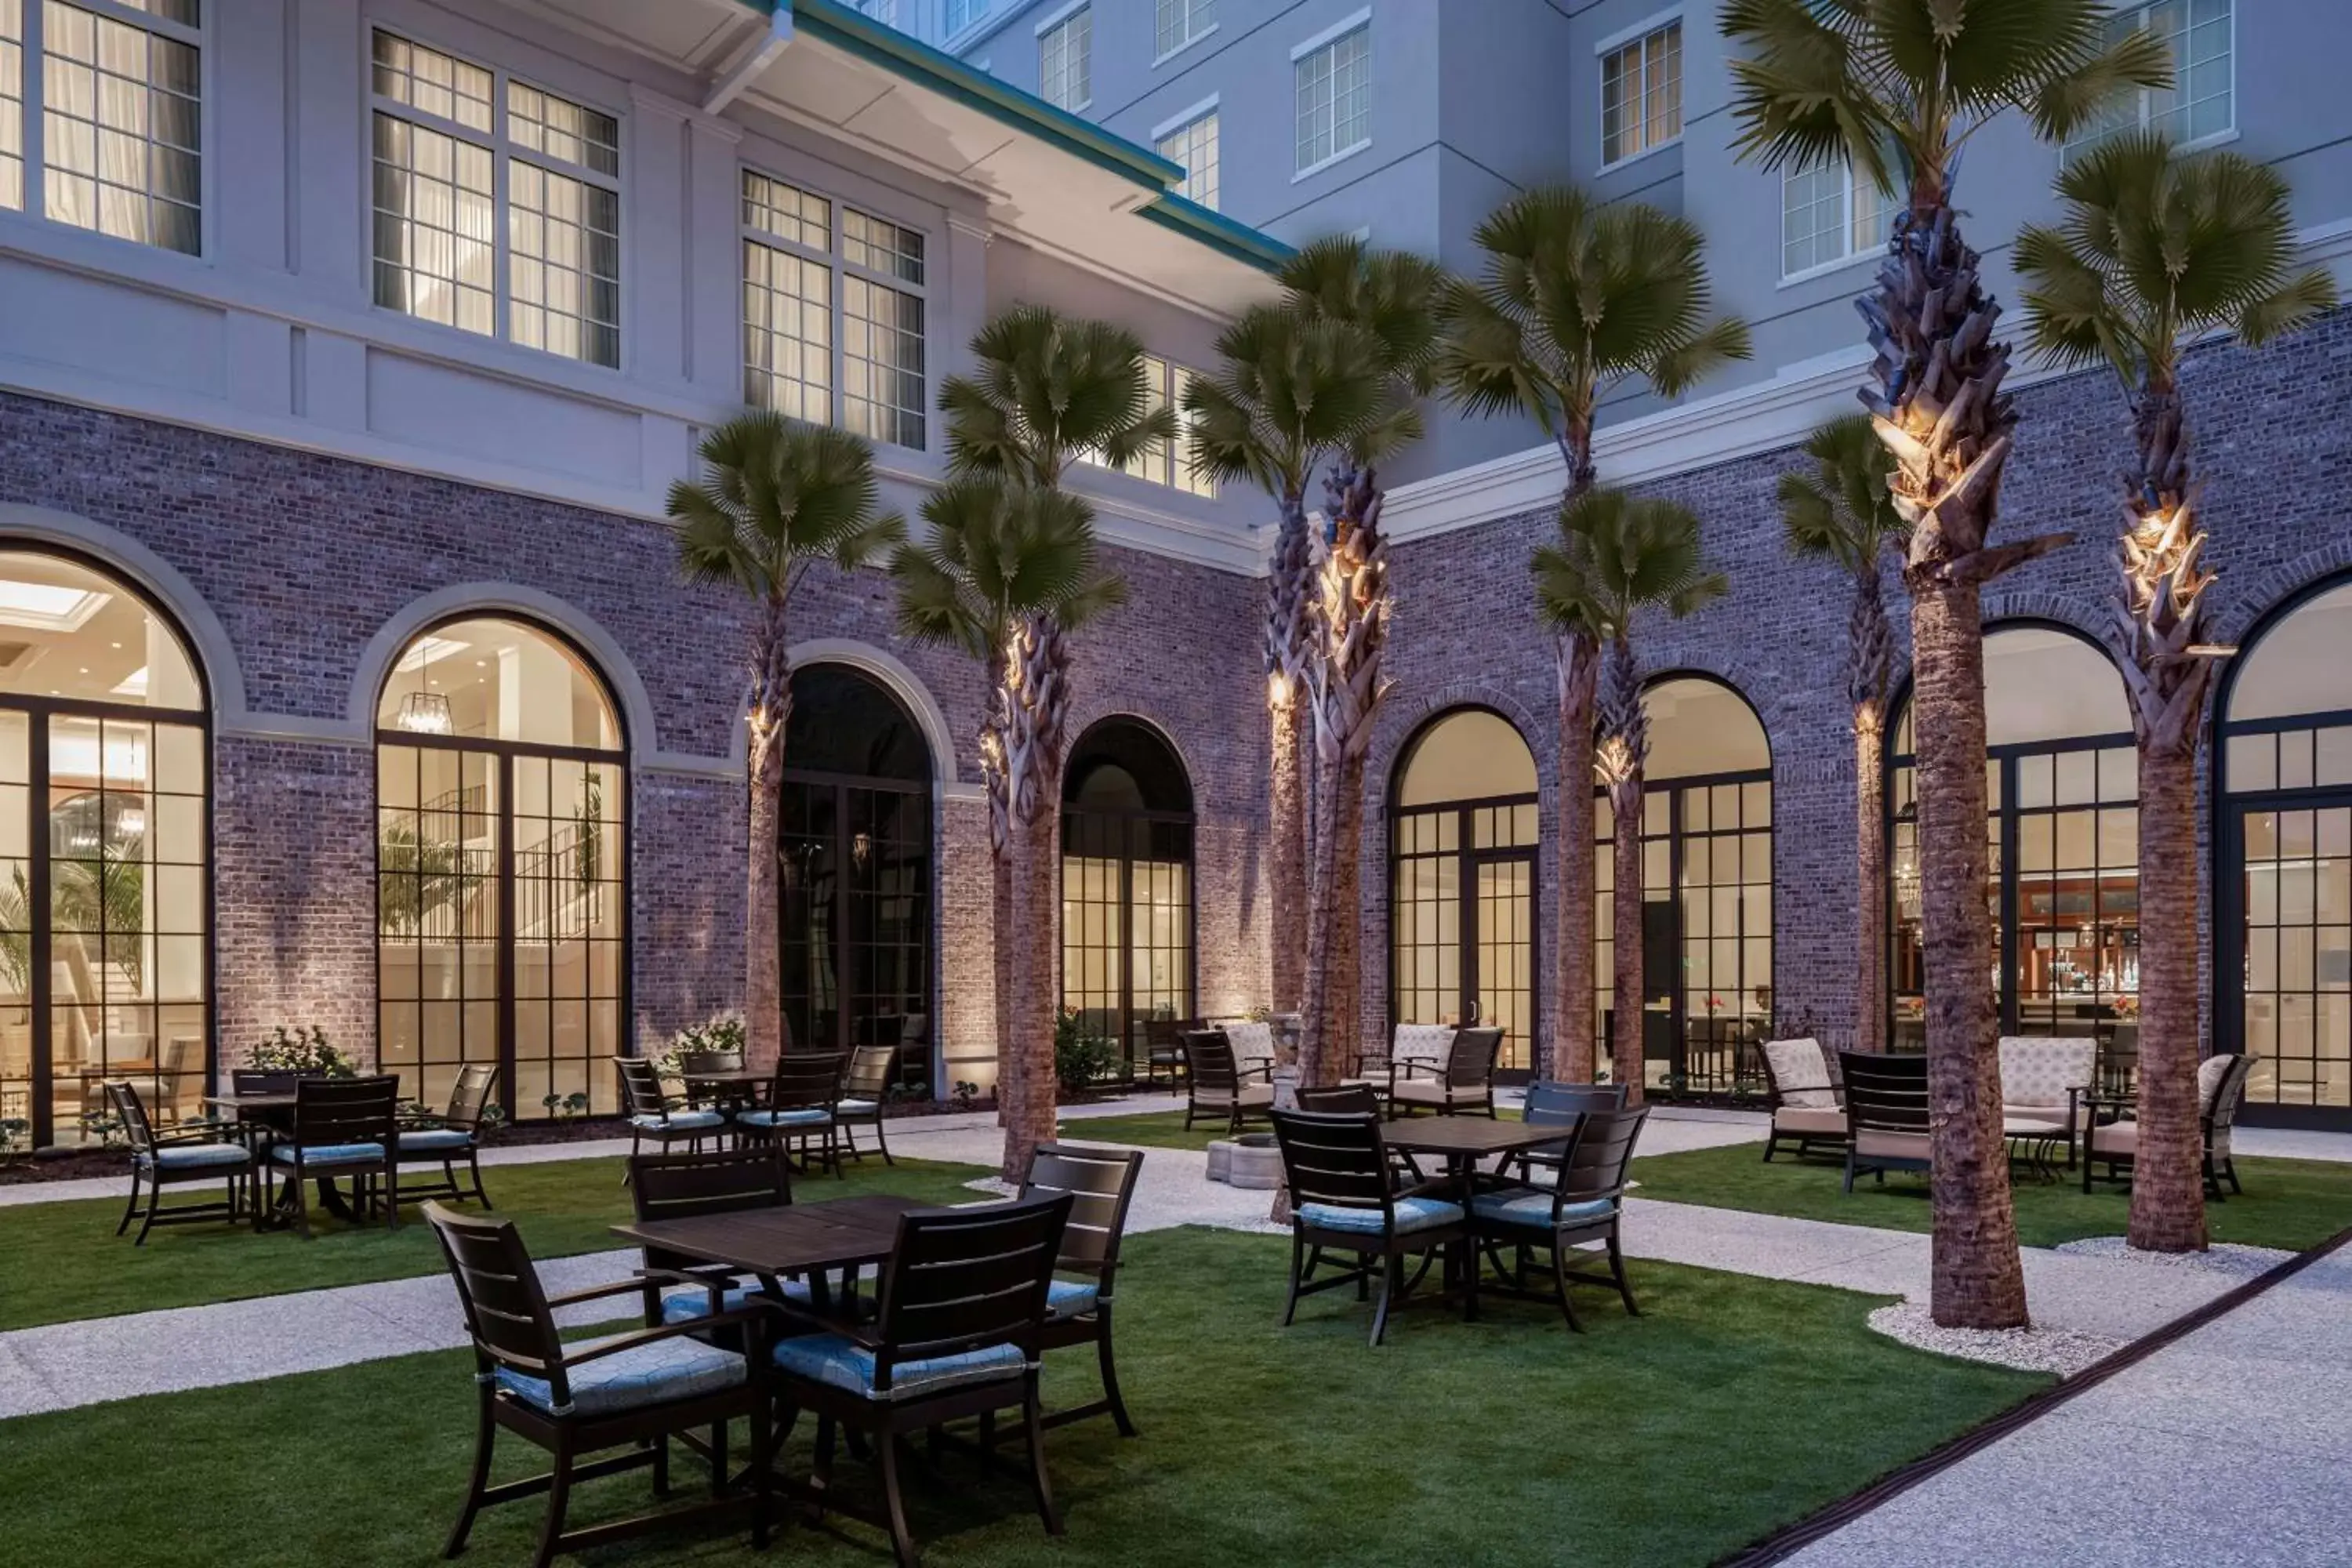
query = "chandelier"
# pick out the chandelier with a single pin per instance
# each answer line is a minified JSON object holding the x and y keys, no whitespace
{"x":424,"y":712}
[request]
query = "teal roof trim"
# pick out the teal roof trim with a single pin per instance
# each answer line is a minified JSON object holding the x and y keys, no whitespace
{"x":1216,"y":230}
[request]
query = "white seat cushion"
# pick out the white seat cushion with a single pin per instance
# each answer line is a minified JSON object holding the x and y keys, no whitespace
{"x":1253,"y":1045}
{"x":1422,"y":1045}
{"x":1809,"y":1121}
{"x":1801,"y":1070}
{"x":1893,"y":1145}
{"x":1430,"y":1092}
{"x":2121,"y":1138}
{"x":1252,"y":1095}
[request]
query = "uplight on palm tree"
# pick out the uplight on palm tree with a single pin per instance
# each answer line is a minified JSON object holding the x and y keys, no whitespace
{"x":1839,"y":511}
{"x":777,"y":501}
{"x":1619,"y":559}
{"x":1578,"y":299}
{"x":2153,"y":251}
{"x":1897,"y":90}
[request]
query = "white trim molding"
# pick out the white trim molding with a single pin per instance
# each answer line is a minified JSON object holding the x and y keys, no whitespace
{"x":1179,"y":120}
{"x":1332,"y":33}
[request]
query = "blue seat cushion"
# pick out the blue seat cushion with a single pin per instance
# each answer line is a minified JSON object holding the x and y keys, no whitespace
{"x":197,"y":1156}
{"x":680,"y":1122}
{"x":839,"y":1361}
{"x":433,"y":1140}
{"x":328,"y":1153}
{"x":675,"y":1368}
{"x":1071,"y":1298}
{"x":679,"y":1306}
{"x":857,"y":1108}
{"x":1526,"y":1206}
{"x":1412,"y":1214}
{"x":807,"y":1116}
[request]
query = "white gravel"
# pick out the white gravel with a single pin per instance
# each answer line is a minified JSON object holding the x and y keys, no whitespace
{"x":2063,"y":1350}
{"x":2228,"y":1257}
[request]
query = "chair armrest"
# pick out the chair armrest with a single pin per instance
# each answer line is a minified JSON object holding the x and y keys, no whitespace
{"x":597,"y":1293}
{"x":629,"y":1341}
{"x":1256,"y":1069}
{"x":185,"y":1140}
{"x":1409,"y":1067}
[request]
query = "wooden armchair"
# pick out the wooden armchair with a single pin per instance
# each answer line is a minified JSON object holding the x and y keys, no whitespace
{"x":1100,"y":1183}
{"x":1887,"y":1115}
{"x":1216,"y":1089}
{"x":802,"y":1097}
{"x":344,"y":1129}
{"x":181,"y":1159}
{"x":453,"y":1134}
{"x":1346,"y":1198}
{"x":1583,"y":1201}
{"x":1463,"y":1086}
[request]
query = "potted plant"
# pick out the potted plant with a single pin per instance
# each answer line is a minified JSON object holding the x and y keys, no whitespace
{"x":304,"y":1051}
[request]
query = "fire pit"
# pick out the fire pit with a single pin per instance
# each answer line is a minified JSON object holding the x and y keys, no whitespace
{"x":1251,"y":1162}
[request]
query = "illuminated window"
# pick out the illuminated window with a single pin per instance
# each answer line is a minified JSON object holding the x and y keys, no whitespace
{"x":2200,"y":103}
{"x":1828,"y":216}
{"x":1331,"y":86}
{"x":1065,"y":60}
{"x":1642,"y":94}
{"x":116,"y":94}
{"x":1194,"y":145}
{"x":1161,"y":463}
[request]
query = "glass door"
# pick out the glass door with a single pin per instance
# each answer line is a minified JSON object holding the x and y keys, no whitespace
{"x":1504,"y":971}
{"x":439,"y":843}
{"x":2296,"y":891}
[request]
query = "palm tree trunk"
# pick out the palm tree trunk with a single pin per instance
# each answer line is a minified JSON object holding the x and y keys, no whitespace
{"x":2160,"y":611}
{"x":771,"y":709}
{"x":1870,"y":865}
{"x":1289,"y":584}
{"x":1037,"y":713}
{"x":1573,"y":979}
{"x":992,"y":743}
{"x":1326,"y":1025}
{"x":1625,"y":1043}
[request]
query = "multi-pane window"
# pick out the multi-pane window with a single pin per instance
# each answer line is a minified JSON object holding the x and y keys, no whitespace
{"x":955,"y":16}
{"x":1642,"y":94}
{"x":806,"y":302}
{"x":1194,"y":145}
{"x":2200,"y":102}
{"x":117,"y":97}
{"x":1179,"y":22}
{"x":1331,"y":90}
{"x":1163,"y":462}
{"x":1827,"y":215}
{"x":447,"y":170}
{"x":1065,"y":60}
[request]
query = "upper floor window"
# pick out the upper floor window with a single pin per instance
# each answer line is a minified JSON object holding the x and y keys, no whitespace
{"x":1642,"y":94}
{"x":1828,"y":216}
{"x":117,"y":106}
{"x":2200,"y":103}
{"x":883,"y":11}
{"x":955,"y":16}
{"x":1065,"y":50}
{"x":1179,"y":22}
{"x":1331,"y":86}
{"x":832,"y":298}
{"x":1194,"y":145}
{"x":455,"y":155}
{"x":1163,"y":462}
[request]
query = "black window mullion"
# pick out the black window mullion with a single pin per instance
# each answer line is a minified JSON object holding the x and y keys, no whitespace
{"x":39,"y":918}
{"x":2005,"y":1003}
{"x":505,"y":1043}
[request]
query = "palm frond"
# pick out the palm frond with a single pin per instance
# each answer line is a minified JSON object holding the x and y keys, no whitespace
{"x":775,"y":494}
{"x":1840,"y":508}
{"x":1046,"y":388}
{"x":998,"y":552}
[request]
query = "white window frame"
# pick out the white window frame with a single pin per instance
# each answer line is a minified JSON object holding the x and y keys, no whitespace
{"x":33,"y":131}
{"x":1856,"y":188}
{"x":1060,"y":21}
{"x":1185,"y":120}
{"x":1192,"y":34}
{"x":2140,"y":94}
{"x":1637,"y":36}
{"x":1175,"y":461}
{"x":503,"y":149}
{"x":976,"y":11}
{"x":835,"y":258}
{"x":1358,"y":21}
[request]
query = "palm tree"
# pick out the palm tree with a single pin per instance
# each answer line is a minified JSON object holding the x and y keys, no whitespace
{"x":2155,"y":250}
{"x":1618,"y":558}
{"x":776,"y":500}
{"x":1841,"y":512}
{"x":1006,"y":572}
{"x":1895,"y":89}
{"x":1578,"y":299}
{"x":1294,"y":392}
{"x":1047,"y":389}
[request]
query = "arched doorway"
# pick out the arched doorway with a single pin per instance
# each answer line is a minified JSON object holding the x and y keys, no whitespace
{"x":2283,"y":888}
{"x":1127,"y":884}
{"x":105,"y":863}
{"x":1707,"y":890}
{"x":2062,"y":786}
{"x":855,"y":877}
{"x":502,"y":856}
{"x":1463,"y":839}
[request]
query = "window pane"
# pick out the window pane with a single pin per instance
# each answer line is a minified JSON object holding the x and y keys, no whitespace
{"x":786,"y":212}
{"x":122,"y":127}
{"x":12,"y":105}
{"x":564,"y":265}
{"x":883,"y":393}
{"x":1064,"y":60}
{"x":1179,"y":22}
{"x":787,"y":334}
{"x":558,"y":127}
{"x":1331,"y":90}
{"x":435,"y":248}
{"x":432,"y":82}
{"x":1195,"y":147}
{"x":881,"y":246}
{"x":1642,"y":94}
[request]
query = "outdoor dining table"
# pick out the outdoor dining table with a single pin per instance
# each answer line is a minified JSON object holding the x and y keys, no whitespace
{"x":257,"y":1114}
{"x":739,"y":1086}
{"x":1461,"y":1142}
{"x":810,"y":1239}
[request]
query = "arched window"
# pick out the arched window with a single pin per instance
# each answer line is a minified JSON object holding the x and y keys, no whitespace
{"x":2284,"y":849}
{"x":2062,"y":789}
{"x":1127,"y":884}
{"x":1706,"y":890}
{"x":855,"y":877}
{"x":502,"y":868}
{"x":105,"y":878}
{"x":1462,"y":879}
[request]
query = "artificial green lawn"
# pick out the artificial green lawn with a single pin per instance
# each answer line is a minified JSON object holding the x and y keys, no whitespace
{"x":1732,"y":1406}
{"x":65,"y":1261}
{"x":2290,"y":1203}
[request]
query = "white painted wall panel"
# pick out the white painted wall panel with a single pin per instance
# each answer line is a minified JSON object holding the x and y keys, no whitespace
{"x":443,"y":408}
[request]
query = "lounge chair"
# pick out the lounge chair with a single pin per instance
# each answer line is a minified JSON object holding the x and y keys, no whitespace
{"x":1806,"y":1110}
{"x":2220,"y":1089}
{"x":1887,"y":1115}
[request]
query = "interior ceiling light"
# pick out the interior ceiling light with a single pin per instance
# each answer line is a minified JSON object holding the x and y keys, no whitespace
{"x":48,"y":606}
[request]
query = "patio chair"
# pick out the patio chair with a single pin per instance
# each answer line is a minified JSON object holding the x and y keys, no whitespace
{"x":453,"y":1134}
{"x":682,"y":1186}
{"x":1583,"y":1201}
{"x":1163,"y":1048}
{"x":653,"y":1115}
{"x":2045,"y":1079}
{"x":1357,"y":1099}
{"x":801,"y":1100}
{"x":693,"y":1071}
{"x":1216,"y":1087}
{"x":344,"y":1128}
{"x":2220,"y":1089}
{"x":961,"y":1333}
{"x":1463,"y":1086}
{"x":1887,"y":1115}
{"x":1253,"y":1043}
{"x":262,"y":1080}
{"x":1550,"y":1103}
{"x":1346,"y":1197}
{"x":177,"y":1159}
{"x":1421,"y":1048}
{"x":1806,"y":1110}
{"x":629,"y":1392}
{"x":864,"y":1091}
{"x":1100,"y":1183}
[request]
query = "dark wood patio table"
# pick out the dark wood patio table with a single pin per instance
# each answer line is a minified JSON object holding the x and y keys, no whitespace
{"x":1461,"y":1142}
{"x":259,"y":1114}
{"x":811,"y":1239}
{"x":739,"y":1087}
